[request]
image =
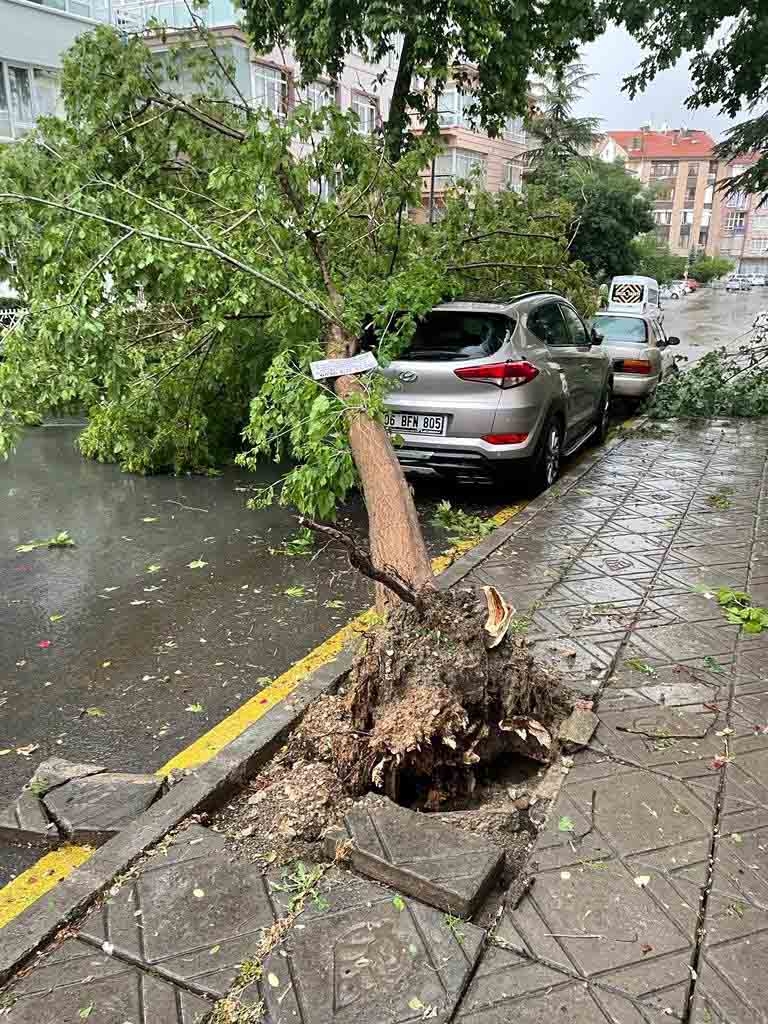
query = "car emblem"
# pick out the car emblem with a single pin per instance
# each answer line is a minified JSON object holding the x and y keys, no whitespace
{"x":407,"y":376}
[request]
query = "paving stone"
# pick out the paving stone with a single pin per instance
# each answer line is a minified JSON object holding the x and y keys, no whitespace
{"x":97,"y":807}
{"x":25,"y":821}
{"x":363,"y":958}
{"x":55,"y":771}
{"x":668,"y":722}
{"x":683,"y":641}
{"x":578,"y":728}
{"x":715,"y":1002}
{"x":64,"y":985}
{"x":740,"y":963}
{"x":418,"y":855}
{"x":191,"y":919}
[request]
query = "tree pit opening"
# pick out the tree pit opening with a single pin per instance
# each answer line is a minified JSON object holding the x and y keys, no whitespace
{"x":431,"y":717}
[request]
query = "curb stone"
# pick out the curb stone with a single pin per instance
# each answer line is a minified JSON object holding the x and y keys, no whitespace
{"x":205,"y":786}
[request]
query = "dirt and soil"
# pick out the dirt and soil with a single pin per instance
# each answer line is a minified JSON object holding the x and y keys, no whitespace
{"x":430,"y":716}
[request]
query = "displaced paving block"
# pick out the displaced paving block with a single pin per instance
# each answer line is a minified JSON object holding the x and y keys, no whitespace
{"x":578,"y":728}
{"x":97,"y":807}
{"x":77,"y":983}
{"x":418,"y":855}
{"x":190,"y":919}
{"x":363,"y":956}
{"x":25,"y":821}
{"x":55,"y":771}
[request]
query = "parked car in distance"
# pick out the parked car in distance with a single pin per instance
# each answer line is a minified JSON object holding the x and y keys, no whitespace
{"x":737,"y":283}
{"x":639,"y":349}
{"x":757,"y":280}
{"x":671,"y":291}
{"x":499,"y":388}
{"x":693,"y":284}
{"x":682,"y":286}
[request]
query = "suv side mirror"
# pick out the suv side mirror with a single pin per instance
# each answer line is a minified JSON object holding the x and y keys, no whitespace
{"x":673,"y":340}
{"x":597,"y":337}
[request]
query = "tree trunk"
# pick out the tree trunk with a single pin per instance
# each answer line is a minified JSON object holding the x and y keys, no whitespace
{"x":395,"y":534}
{"x":397,"y":121}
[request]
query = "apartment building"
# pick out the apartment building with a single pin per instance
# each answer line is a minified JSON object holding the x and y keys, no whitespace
{"x":744,"y":222}
{"x":33,"y":36}
{"x":680,"y":167}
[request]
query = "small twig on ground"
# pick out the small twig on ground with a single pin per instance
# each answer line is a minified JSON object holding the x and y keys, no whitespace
{"x":591,"y":818}
{"x":187,"y":508}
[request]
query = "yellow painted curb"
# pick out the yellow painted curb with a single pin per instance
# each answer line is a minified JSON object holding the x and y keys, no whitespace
{"x":36,"y":881}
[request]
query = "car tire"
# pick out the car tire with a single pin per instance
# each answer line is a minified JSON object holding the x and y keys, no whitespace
{"x":545,"y":465}
{"x":602,"y":419}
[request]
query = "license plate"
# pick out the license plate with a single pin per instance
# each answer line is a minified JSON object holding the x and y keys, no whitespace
{"x":414,"y":423}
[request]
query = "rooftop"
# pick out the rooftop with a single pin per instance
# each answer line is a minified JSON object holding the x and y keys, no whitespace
{"x":679,"y":143}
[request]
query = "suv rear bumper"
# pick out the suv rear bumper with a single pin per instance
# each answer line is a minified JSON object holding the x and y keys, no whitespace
{"x":462,"y":455}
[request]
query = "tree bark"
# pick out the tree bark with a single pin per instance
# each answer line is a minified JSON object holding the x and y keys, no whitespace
{"x":397,"y":121}
{"x":393,"y":525}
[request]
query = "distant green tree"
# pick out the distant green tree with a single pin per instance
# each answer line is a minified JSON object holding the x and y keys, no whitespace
{"x":655,"y":259}
{"x":558,"y":136}
{"x":709,"y":268}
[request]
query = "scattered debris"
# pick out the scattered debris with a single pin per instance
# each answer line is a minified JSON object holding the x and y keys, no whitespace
{"x":578,"y":728}
{"x":58,"y":540}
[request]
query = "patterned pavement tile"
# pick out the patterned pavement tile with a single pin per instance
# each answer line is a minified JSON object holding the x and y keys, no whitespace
{"x":716,"y":1002}
{"x":364,"y":958}
{"x":683,"y":641}
{"x":191,"y":919}
{"x":79,"y":982}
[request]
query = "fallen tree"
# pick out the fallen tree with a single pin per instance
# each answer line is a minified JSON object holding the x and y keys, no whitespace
{"x":185,"y":258}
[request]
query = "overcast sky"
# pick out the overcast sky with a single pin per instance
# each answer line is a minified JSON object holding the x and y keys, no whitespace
{"x":614,"y":55}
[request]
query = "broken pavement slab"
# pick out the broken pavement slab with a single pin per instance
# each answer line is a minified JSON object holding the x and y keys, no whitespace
{"x":578,"y":728}
{"x":668,"y":723}
{"x":95,"y":808}
{"x":55,"y":771}
{"x":25,"y":821}
{"x":417,"y":855}
{"x":361,"y":955}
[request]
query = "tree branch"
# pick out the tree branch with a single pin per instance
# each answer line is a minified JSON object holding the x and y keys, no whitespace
{"x":361,"y":560}
{"x":185,"y":243}
{"x":511,"y":234}
{"x":505,"y":266}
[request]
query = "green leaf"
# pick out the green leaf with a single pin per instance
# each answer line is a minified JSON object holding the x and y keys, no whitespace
{"x":154,"y":568}
{"x":565,"y":824}
{"x":197,"y":563}
{"x":297,"y":591}
{"x":85,"y":1012}
{"x":95,"y":713}
{"x":416,"y":1004}
{"x":195,"y":708}
{"x":398,"y":902}
{"x":56,"y":618}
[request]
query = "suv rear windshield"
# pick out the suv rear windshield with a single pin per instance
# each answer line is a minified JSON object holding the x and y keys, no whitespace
{"x":454,"y":336}
{"x":621,"y":330}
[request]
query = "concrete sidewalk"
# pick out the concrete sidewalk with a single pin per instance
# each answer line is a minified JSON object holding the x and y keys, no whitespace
{"x":649,"y":885}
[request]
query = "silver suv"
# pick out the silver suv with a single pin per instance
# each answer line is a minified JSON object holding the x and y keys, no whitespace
{"x":496,"y":386}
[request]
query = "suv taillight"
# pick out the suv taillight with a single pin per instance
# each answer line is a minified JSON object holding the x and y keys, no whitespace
{"x":502,"y":375}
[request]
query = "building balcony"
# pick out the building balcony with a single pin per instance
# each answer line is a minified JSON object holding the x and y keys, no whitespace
{"x":139,"y":15}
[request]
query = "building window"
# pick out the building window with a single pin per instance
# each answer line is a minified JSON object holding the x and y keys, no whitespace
{"x":270,"y":89}
{"x":693,"y":170}
{"x":690,"y":195}
{"x":367,"y":112}
{"x":665,"y":195}
{"x":686,"y":217}
{"x":759,"y":246}
{"x":26,"y":93}
{"x":318,"y":95}
{"x":514,"y":130}
{"x":713,"y":166}
{"x":663,"y":169}
{"x":703,"y":236}
{"x":636,"y":142}
{"x":324,"y":189}
{"x":453,"y":107}
{"x":706,"y":218}
{"x":513,"y":175}
{"x":735,"y":221}
{"x":453,"y":165}
{"x":737,"y":201}
{"x":760,"y":223}
{"x":662,"y":216}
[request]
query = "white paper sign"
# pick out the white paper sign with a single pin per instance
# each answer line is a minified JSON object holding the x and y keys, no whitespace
{"x":341,"y":367}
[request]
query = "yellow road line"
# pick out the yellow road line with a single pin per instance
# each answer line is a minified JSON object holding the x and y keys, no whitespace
{"x":53,"y":867}
{"x":39,"y":879}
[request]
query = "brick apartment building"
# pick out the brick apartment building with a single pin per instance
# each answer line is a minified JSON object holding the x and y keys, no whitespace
{"x":680,"y":167}
{"x":744,"y":223}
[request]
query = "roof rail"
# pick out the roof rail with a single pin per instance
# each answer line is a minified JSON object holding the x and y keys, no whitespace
{"x":528,"y":295}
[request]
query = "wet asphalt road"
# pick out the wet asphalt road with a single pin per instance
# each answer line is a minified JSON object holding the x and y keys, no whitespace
{"x":101,"y":657}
